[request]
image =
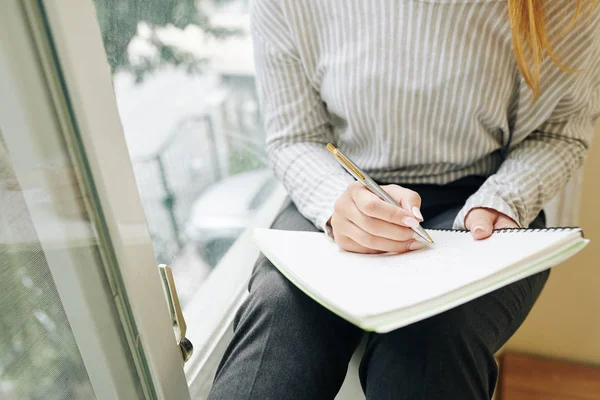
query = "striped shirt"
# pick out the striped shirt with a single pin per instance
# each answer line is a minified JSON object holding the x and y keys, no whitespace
{"x":421,"y":91}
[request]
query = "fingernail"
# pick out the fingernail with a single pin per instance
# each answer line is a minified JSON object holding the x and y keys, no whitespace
{"x":478,"y":229}
{"x":417,"y":212}
{"x":416,"y":245}
{"x":411,"y":222}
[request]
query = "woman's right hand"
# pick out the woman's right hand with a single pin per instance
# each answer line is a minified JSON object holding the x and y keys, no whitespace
{"x":364,"y":223}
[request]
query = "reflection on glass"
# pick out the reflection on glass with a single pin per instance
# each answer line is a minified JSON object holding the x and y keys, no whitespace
{"x":184,"y":82}
{"x":39,"y":358}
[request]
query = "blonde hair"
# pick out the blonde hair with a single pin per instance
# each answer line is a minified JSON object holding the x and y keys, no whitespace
{"x":530,"y":37}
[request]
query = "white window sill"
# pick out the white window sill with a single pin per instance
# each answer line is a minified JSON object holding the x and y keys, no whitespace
{"x":210,"y":312}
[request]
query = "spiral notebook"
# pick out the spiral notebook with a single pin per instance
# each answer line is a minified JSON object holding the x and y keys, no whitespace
{"x":384,"y":292}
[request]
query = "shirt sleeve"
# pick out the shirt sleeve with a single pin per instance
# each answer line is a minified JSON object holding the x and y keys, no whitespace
{"x":295,"y":118}
{"x":538,"y":167}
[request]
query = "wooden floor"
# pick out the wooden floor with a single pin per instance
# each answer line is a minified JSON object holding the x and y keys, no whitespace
{"x":525,"y":377}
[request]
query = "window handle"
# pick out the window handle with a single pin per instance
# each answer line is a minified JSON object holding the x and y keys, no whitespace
{"x":179,"y":327}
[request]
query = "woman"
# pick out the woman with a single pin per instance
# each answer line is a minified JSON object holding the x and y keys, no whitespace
{"x":473,"y":112}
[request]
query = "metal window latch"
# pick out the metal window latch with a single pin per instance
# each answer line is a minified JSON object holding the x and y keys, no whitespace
{"x":179,"y":327}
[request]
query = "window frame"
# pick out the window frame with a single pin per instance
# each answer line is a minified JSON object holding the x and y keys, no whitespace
{"x":97,"y":142}
{"x":37,"y":105}
{"x":81,"y":54}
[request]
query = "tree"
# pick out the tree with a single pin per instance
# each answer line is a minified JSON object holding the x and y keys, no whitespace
{"x":119,"y":24}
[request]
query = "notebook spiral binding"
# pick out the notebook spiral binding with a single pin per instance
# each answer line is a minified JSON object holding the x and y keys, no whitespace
{"x":510,"y":230}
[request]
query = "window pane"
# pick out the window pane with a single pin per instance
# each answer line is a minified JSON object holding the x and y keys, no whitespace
{"x":39,"y":358}
{"x":184,"y":81}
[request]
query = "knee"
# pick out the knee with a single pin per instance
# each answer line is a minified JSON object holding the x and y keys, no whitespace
{"x":449,"y":348}
{"x":450,"y":338}
{"x":443,"y":335}
{"x":456,"y":332}
{"x":273,"y":291}
{"x":271,"y":294}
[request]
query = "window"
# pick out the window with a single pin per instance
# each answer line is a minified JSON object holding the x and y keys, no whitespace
{"x":183,"y":76}
{"x":39,"y":358}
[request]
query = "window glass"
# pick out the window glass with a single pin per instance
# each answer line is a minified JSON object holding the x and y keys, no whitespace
{"x":39,"y":358}
{"x":183,"y":77}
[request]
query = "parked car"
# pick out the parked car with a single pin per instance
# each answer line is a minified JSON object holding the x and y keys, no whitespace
{"x":224,"y":210}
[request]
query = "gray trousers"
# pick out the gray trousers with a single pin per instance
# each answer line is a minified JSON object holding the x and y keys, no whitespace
{"x":288,"y":347}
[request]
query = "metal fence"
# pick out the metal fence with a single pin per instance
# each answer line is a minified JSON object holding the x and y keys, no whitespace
{"x":201,"y":150}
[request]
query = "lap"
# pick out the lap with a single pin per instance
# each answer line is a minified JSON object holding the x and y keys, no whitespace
{"x":266,"y":279}
{"x":490,"y":320}
{"x":275,"y":295}
{"x":454,"y":349}
{"x":288,"y":346}
{"x":493,"y":318}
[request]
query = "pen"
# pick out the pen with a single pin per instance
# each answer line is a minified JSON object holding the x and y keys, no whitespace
{"x":370,"y":184}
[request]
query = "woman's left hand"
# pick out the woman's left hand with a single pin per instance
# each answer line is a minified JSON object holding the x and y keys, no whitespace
{"x":481,"y":222}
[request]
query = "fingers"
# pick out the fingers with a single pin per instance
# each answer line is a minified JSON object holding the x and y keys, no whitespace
{"x":347,"y":244}
{"x":379,"y":227}
{"x":364,"y":223}
{"x":480,"y":222}
{"x":408,"y":199}
{"x":366,"y":240}
{"x":372,"y":206}
{"x":504,"y":222}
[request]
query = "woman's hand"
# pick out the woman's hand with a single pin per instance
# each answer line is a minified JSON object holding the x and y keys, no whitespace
{"x":363,"y":223}
{"x":481,"y":222}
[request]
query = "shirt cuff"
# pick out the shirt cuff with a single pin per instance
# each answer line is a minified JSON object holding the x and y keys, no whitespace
{"x":336,"y":186}
{"x":485,"y":199}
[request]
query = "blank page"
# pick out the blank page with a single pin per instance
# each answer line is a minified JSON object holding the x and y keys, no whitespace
{"x":366,"y":285}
